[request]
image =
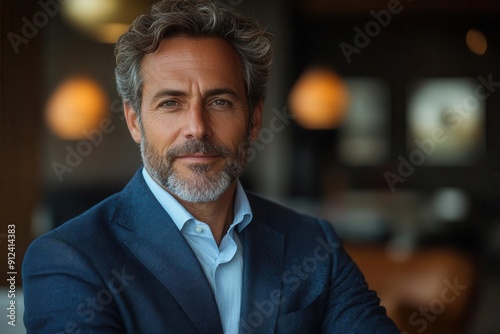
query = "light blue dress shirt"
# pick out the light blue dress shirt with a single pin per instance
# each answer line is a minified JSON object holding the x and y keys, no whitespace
{"x":223,"y":265}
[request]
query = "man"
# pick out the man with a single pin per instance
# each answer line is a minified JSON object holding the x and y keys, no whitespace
{"x":183,"y":248}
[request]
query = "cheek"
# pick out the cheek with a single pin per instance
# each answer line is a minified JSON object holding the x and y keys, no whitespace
{"x":231,"y":131}
{"x":158,"y":140}
{"x":161,"y":129}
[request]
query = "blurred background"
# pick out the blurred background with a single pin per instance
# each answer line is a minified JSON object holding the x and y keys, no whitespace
{"x":381,"y":116}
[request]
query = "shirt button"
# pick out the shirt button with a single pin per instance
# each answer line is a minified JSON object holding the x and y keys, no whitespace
{"x":198,"y":229}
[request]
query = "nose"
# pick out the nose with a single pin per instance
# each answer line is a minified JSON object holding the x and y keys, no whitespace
{"x":197,"y":123}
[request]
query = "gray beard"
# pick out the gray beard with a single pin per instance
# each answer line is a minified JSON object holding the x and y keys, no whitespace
{"x":199,"y":187}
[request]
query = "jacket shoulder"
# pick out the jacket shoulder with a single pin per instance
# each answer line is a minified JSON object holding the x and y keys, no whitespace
{"x":81,"y":236}
{"x":289,"y":221}
{"x":88,"y":223}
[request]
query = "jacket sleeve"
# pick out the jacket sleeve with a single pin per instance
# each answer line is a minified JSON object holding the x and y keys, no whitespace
{"x":351,"y":307}
{"x":63,"y":293}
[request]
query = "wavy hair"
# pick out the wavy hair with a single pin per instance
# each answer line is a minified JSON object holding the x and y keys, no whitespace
{"x":192,"y":18}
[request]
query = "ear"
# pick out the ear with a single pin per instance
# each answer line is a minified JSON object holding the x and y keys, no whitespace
{"x":132,"y":122}
{"x":257,"y":120}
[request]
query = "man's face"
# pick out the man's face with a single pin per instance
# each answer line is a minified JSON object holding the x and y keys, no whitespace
{"x":195,"y":126}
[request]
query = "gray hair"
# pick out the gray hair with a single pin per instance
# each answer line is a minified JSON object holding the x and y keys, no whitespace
{"x":192,"y":18}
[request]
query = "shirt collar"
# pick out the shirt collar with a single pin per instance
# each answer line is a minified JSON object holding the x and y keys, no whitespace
{"x":242,"y":210}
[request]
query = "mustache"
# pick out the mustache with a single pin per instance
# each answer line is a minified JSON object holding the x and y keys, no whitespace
{"x":194,"y":146}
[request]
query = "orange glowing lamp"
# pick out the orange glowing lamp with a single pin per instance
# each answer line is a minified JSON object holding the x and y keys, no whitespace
{"x":76,"y":106}
{"x":319,"y":100}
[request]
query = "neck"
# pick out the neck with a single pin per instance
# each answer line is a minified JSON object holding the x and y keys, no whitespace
{"x":218,"y":215}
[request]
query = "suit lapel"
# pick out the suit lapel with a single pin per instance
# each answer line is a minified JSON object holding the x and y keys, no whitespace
{"x":151,"y":236}
{"x":263,"y":250}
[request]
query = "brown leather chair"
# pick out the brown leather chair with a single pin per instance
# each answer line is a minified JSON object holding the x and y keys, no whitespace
{"x":425,"y":291}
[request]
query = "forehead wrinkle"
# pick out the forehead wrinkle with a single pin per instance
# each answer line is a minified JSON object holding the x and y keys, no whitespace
{"x":180,"y":66}
{"x":183,"y":67}
{"x":173,"y":48}
{"x":181,"y":77}
{"x":186,"y":55}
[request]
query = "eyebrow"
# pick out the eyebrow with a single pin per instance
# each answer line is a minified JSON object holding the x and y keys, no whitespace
{"x":222,"y":91}
{"x":167,"y":92}
{"x":178,"y":93}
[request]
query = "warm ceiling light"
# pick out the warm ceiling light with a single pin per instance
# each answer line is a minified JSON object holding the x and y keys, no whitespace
{"x":76,"y":107}
{"x":476,"y":41}
{"x":104,"y":21}
{"x":319,"y":99}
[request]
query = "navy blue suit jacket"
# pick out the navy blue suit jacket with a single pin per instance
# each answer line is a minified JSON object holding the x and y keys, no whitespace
{"x":124,"y":267}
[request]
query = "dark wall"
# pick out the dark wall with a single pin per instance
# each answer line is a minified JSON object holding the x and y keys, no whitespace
{"x":410,"y":47}
{"x":20,"y":119}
